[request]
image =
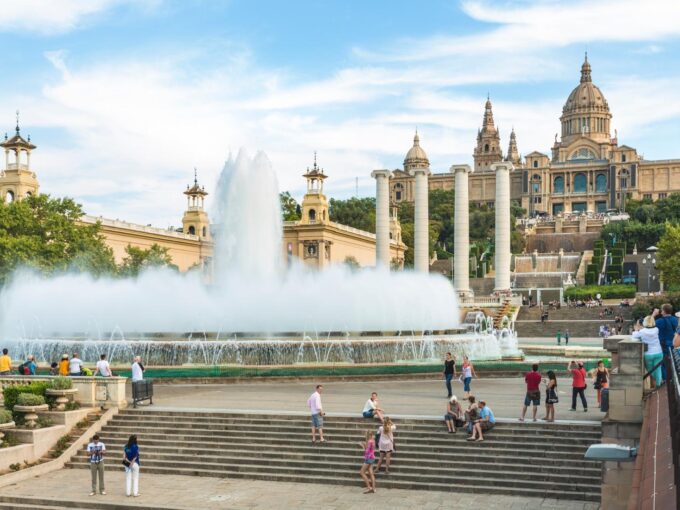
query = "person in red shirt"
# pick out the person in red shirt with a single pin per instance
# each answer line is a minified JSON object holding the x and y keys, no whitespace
{"x":533,"y":395}
{"x":578,"y":374}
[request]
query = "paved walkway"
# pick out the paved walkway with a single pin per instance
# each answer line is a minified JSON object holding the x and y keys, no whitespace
{"x":505,"y":396}
{"x":182,"y":492}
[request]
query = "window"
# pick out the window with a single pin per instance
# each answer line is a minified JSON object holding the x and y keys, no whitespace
{"x":557,"y":209}
{"x":601,"y":206}
{"x":536,"y":186}
{"x":578,"y":207}
{"x":662,"y":196}
{"x":312,"y":215}
{"x":537,"y":200}
{"x":486,"y":147}
{"x":623,"y":158}
{"x":205,"y":230}
{"x":582,"y":154}
{"x":398,"y":188}
{"x":601,"y":183}
{"x":9,"y":197}
{"x":558,"y":185}
{"x":192,"y":230}
{"x":535,"y":163}
{"x":580,"y":183}
{"x":647,"y":196}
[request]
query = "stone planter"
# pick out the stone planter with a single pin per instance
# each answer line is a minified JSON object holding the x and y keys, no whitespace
{"x":63,"y":397}
{"x":5,"y":426}
{"x":29,"y":413}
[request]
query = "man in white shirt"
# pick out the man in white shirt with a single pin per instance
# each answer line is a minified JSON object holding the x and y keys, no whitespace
{"x":103,"y":367}
{"x":137,"y":369}
{"x":314,"y":404}
{"x":371,"y":409}
{"x":96,"y":451}
{"x":75,"y":365}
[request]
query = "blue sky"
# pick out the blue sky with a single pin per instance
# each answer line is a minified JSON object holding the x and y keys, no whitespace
{"x":124,"y":98}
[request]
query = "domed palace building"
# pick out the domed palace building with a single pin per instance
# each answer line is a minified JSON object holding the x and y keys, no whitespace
{"x":586,"y":171}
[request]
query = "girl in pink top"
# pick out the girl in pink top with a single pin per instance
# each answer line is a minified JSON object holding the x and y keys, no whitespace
{"x":366,"y":471}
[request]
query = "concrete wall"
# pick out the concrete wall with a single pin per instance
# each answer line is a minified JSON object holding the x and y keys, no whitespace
{"x":92,"y":391}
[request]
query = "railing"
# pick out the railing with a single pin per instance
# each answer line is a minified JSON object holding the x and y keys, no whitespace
{"x":17,"y":166}
{"x":106,"y":222}
{"x":673,"y":371}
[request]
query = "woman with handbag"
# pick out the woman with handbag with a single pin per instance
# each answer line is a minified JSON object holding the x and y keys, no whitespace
{"x":601,"y":380}
{"x":550,"y":396}
{"x":131,"y":463}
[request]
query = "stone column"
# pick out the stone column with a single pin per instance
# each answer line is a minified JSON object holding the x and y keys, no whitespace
{"x":382,"y":217}
{"x":503,"y":253}
{"x":461,"y":240}
{"x":421,"y":235}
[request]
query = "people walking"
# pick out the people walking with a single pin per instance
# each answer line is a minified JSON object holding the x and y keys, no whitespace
{"x":103,"y":367}
{"x":550,"y":396}
{"x":449,"y":372}
{"x":96,"y":450}
{"x":559,"y":337}
{"x":578,"y":385}
{"x":566,"y":337}
{"x":485,"y":422}
{"x":314,"y":404}
{"x":386,"y":444}
{"x":372,"y":409}
{"x":454,"y":414}
{"x":5,"y":363}
{"x":533,"y":394}
{"x":137,"y":369}
{"x":468,"y":372}
{"x":601,"y":380}
{"x":649,"y":334}
{"x":366,"y":471}
{"x":131,"y":463}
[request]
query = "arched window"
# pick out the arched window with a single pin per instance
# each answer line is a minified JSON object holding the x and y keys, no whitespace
{"x":323,"y":215}
{"x":486,"y":147}
{"x":205,"y":231}
{"x":28,"y":193}
{"x":601,"y":183}
{"x":582,"y":154}
{"x":398,"y":188}
{"x":535,"y":163}
{"x":192,"y":230}
{"x":9,"y":197}
{"x":312,"y":215}
{"x":558,"y":184}
{"x":580,"y":183}
{"x":623,"y":158}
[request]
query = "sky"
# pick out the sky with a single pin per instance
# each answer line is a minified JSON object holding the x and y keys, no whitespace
{"x":124,"y":98}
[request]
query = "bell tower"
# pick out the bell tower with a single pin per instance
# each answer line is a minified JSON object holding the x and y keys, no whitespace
{"x":17,"y":180}
{"x":314,"y":203}
{"x":488,"y":150}
{"x":195,"y":220}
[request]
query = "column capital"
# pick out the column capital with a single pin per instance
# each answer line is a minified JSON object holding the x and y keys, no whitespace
{"x":461,"y":168}
{"x":381,"y":173}
{"x":415,"y":171}
{"x":505,"y":165}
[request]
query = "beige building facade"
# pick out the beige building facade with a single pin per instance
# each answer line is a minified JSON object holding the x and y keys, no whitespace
{"x":586,"y":170}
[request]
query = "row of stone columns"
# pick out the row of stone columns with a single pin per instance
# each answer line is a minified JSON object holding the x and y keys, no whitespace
{"x":461,"y":224}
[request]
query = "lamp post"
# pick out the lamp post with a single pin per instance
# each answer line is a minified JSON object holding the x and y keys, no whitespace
{"x":649,"y":262}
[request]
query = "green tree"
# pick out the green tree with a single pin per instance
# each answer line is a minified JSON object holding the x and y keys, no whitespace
{"x":138,"y":259}
{"x":290,"y":209}
{"x":669,"y":247}
{"x":44,"y":234}
{"x":354,"y":212}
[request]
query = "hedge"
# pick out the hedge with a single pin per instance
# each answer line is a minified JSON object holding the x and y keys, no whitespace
{"x":645,"y":306}
{"x":605,"y":291}
{"x":12,"y":392}
{"x":29,"y":399}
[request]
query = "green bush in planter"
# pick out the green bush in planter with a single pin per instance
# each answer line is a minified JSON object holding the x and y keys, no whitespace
{"x":61,"y":383}
{"x":5,"y":416}
{"x":29,"y":399}
{"x":11,"y":393}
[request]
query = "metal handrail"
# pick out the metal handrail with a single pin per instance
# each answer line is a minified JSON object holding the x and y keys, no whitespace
{"x":673,"y":367}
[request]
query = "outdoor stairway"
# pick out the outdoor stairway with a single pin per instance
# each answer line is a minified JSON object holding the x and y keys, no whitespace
{"x":581,"y":322}
{"x":542,"y":460}
{"x":61,"y":501}
{"x":500,"y":313}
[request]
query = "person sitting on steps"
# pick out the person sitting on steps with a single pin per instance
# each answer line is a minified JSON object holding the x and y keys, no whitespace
{"x":371,"y":408}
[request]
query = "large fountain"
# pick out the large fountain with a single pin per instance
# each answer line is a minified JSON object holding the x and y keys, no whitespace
{"x":255,"y":312}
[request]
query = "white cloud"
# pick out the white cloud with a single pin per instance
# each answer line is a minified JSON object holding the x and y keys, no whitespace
{"x":56,"y":16}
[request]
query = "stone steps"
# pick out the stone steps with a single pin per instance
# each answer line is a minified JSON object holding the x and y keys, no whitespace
{"x":543,"y":460}
{"x":51,"y":503}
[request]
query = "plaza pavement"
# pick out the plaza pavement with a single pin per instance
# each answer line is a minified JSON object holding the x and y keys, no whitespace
{"x":183,"y":492}
{"x":398,"y":397}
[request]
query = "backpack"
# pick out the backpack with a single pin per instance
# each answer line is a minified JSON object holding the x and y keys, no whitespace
{"x":24,"y":370}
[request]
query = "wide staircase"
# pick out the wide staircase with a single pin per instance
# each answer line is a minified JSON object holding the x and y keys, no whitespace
{"x":581,"y":322}
{"x":500,"y":313}
{"x":541,"y":460}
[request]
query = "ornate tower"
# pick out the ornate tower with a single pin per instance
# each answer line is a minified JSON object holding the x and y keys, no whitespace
{"x":488,"y":150}
{"x":513,"y":154}
{"x":416,"y":157}
{"x":17,"y":180}
{"x":195,"y":220}
{"x":314,"y":203}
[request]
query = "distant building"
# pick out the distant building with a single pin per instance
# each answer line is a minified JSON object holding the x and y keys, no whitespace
{"x":587,"y":169}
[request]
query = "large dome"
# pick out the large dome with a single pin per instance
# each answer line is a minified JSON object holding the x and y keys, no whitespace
{"x":416,"y":157}
{"x":586,"y":96}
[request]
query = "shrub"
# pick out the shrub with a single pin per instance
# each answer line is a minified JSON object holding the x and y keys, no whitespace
{"x":29,"y":399}
{"x":11,"y":393}
{"x":61,"y":383}
{"x":644,"y":306}
{"x":72,"y":406}
{"x":15,"y":467}
{"x":6,"y":416}
{"x":43,"y":422}
{"x":605,"y":291}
